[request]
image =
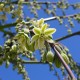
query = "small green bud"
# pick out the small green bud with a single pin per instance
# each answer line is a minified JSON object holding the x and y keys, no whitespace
{"x":14,"y":48}
{"x":50,"y":56}
{"x":20,"y":66}
{"x":8,"y":42}
{"x":57,"y":61}
{"x":69,"y":55}
{"x":25,"y":30}
{"x":65,"y":57}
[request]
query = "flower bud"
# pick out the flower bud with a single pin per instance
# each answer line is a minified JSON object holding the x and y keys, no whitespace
{"x":65,"y":57}
{"x":50,"y":56}
{"x":13,"y":48}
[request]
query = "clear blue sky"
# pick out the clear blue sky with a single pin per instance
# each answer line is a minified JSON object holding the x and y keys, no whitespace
{"x":40,"y":71}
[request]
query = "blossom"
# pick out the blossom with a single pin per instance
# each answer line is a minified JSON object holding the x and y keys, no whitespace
{"x":42,"y":34}
{"x":23,"y":41}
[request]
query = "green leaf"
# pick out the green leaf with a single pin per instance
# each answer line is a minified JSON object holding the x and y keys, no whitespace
{"x":49,"y":31}
{"x":37,"y":30}
{"x":44,"y":27}
{"x":34,"y":38}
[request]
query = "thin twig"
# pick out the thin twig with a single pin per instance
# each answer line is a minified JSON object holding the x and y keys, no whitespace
{"x":8,"y":32}
{"x":68,"y":36}
{"x":62,"y":61}
{"x":36,"y":2}
{"x":8,"y":25}
{"x":46,"y":19}
{"x":33,"y":62}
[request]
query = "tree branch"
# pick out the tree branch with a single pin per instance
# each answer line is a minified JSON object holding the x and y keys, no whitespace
{"x":8,"y":25}
{"x":41,"y":2}
{"x":62,"y":61}
{"x":27,"y":2}
{"x":8,"y":32}
{"x":62,"y":17}
{"x":46,"y":19}
{"x":67,"y":36}
{"x":59,"y":56}
{"x":33,"y":62}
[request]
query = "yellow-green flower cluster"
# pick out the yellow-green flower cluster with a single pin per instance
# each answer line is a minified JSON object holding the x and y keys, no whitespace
{"x":23,"y":41}
{"x":42,"y":34}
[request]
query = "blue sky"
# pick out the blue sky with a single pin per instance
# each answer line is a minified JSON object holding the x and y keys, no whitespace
{"x":40,"y":71}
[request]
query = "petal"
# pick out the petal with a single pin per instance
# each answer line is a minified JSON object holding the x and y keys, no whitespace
{"x":27,"y":38}
{"x":44,"y":27}
{"x":18,"y":35}
{"x":34,"y":38}
{"x":41,"y":21}
{"x":25,"y":30}
{"x":37,"y":30}
{"x":32,"y":47}
{"x":41,"y":43}
{"x":49,"y":31}
{"x":34,"y":23}
{"x":36,"y":45}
